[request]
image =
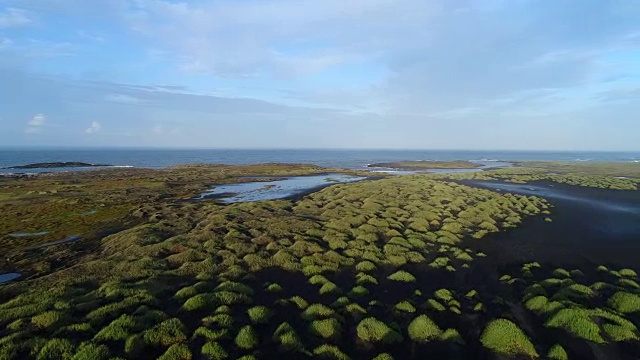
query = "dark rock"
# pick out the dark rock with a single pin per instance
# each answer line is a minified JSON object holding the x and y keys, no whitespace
{"x":47,"y":165}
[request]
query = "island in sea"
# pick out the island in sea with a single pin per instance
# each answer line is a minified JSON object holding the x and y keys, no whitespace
{"x":50,"y":165}
{"x":539,"y":260}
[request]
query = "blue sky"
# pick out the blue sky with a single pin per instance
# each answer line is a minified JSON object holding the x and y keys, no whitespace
{"x":430,"y":74}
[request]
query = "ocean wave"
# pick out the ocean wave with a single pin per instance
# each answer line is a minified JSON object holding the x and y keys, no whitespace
{"x":121,"y":166}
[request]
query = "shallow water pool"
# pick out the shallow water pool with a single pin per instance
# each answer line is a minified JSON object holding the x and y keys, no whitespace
{"x":277,"y":189}
{"x":8,"y":277}
{"x":17,"y":235}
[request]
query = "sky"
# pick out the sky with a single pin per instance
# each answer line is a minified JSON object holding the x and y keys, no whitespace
{"x":402,"y":74}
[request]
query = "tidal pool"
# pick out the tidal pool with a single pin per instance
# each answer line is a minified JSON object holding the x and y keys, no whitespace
{"x":276,"y":189}
{"x":8,"y":277}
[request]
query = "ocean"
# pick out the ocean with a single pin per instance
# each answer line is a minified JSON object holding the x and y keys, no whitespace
{"x":339,"y":158}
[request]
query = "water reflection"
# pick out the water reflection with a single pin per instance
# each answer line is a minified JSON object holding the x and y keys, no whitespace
{"x":18,"y":235}
{"x":8,"y":277}
{"x":276,"y":189}
{"x":551,"y":191}
{"x":598,"y":226}
{"x":65,"y":241}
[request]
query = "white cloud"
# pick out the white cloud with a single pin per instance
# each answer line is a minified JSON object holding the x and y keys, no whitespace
{"x":37,"y":120}
{"x":13,"y":17}
{"x":87,"y":35}
{"x":123,"y":99}
{"x":290,"y":36}
{"x":34,"y":125}
{"x":93,"y":128}
{"x":158,"y":129}
{"x":32,"y":130}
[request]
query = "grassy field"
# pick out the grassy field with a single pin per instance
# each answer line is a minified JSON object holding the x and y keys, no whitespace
{"x":376,"y":269}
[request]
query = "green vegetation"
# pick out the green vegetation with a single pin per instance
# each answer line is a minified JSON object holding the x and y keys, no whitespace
{"x":422,"y":329}
{"x":330,"y":352}
{"x":177,"y":352}
{"x":577,"y":322}
{"x":326,"y":328}
{"x":452,"y":335}
{"x":247,"y":338}
{"x":286,"y":336}
{"x":625,"y":302}
{"x":421,"y":165}
{"x":259,"y":314}
{"x":504,"y":337}
{"x":214,"y":351}
{"x":317,"y":311}
{"x":375,"y":331}
{"x":405,"y":306}
{"x":402,"y":276}
{"x":344,"y":270}
{"x":557,"y":352}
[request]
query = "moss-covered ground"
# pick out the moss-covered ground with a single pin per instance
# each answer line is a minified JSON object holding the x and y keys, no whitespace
{"x":376,"y":269}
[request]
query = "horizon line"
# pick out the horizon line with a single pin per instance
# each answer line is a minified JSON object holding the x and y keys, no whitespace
{"x":72,"y":147}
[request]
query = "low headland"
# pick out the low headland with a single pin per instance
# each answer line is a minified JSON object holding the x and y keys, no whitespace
{"x":426,"y":165}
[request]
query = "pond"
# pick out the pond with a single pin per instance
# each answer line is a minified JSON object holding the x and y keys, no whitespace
{"x":4,"y":278}
{"x":275,"y":189}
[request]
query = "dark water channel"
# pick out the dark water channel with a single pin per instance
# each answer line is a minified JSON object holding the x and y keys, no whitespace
{"x":599,"y":226}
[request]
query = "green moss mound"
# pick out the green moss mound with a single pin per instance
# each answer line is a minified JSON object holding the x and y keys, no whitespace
{"x":578,"y":322}
{"x":259,"y":314}
{"x":326,"y":328}
{"x":504,"y":337}
{"x":422,"y":329}
{"x":402,"y":276}
{"x":247,"y":338}
{"x":625,"y":302}
{"x":373,"y":330}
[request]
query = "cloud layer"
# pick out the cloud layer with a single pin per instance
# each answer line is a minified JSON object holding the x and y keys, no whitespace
{"x":535,"y":74}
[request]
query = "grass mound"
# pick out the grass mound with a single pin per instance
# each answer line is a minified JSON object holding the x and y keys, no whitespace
{"x":402,"y":276}
{"x":373,"y":330}
{"x":504,"y":337}
{"x":422,"y":329}
{"x":625,"y":302}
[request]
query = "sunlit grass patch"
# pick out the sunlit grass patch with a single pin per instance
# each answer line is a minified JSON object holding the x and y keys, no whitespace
{"x":375,"y":331}
{"x":504,"y":337}
{"x":326,"y":328}
{"x":422,"y":329}
{"x":578,"y":322}
{"x":317,"y":311}
{"x":247,"y":338}
{"x":212,"y":350}
{"x":259,"y":314}
{"x":402,"y":276}
{"x":330,"y":352}
{"x":557,"y":352}
{"x":625,"y":302}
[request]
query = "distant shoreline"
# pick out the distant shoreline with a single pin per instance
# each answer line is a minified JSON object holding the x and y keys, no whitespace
{"x":58,"y":165}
